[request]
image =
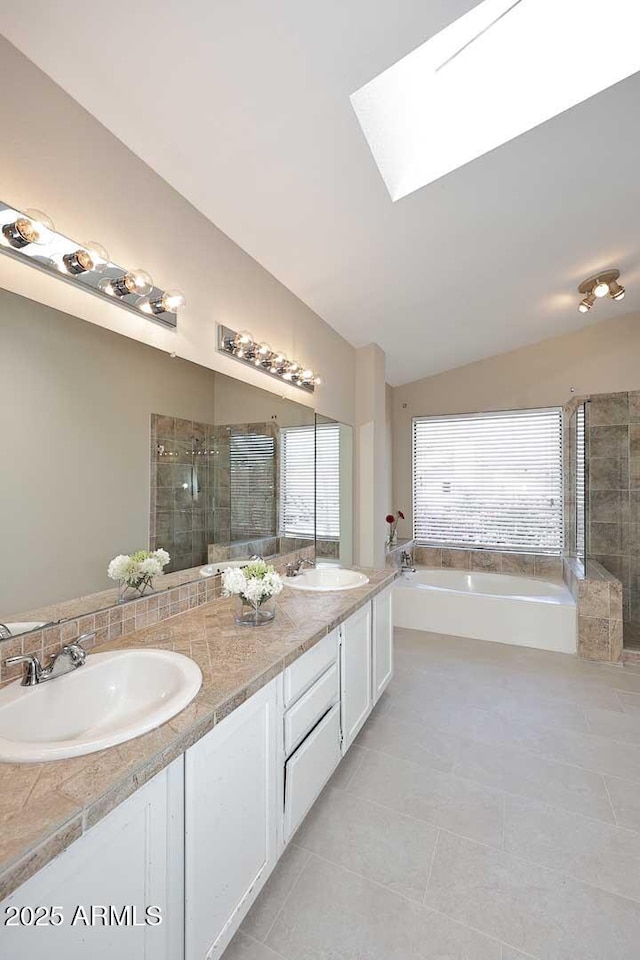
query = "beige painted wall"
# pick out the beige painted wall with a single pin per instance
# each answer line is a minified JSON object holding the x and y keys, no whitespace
{"x":57,"y":157}
{"x":602,"y":358}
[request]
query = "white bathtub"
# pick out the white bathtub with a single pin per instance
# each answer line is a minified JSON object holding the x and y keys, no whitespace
{"x":487,"y":606}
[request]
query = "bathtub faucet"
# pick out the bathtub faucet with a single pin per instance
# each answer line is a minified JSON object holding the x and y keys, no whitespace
{"x":406,"y":563}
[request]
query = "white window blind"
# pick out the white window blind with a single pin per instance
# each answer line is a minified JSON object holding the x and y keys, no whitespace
{"x":581,"y":482}
{"x":490,"y":480}
{"x":297,"y":481}
{"x":310,"y":481}
{"x":328,"y":481}
{"x":252,"y":485}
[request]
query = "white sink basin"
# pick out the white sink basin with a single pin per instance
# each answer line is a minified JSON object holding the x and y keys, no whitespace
{"x":113,"y":697}
{"x":327,"y":578}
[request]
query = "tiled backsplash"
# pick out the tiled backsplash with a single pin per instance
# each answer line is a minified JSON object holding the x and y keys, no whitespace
{"x":121,"y":619}
{"x":491,"y":561}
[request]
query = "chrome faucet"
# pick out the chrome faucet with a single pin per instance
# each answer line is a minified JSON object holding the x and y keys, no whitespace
{"x":294,"y":568}
{"x":406,"y":563}
{"x":69,"y":658}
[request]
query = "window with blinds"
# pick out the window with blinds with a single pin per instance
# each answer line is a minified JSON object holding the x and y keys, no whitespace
{"x":252,"y":467}
{"x":489,"y":481}
{"x":310,"y":481}
{"x":581,"y":482}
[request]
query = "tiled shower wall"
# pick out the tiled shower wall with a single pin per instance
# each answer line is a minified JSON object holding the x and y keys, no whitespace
{"x":613,"y":444}
{"x":190,"y":501}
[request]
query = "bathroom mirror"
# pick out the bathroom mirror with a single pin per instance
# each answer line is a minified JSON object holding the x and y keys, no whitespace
{"x":112,"y":446}
{"x":334,"y":491}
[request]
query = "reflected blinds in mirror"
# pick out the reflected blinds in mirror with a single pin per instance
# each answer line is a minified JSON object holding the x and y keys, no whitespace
{"x":489,"y":480}
{"x":297,"y":481}
{"x":328,"y":481}
{"x":310,"y":481}
{"x":252,"y":485}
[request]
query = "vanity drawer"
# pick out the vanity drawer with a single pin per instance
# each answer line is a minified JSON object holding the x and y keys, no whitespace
{"x":307,"y":668}
{"x":301,"y":717}
{"x":307,"y":771}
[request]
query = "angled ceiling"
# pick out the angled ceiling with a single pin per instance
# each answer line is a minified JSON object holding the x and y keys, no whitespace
{"x":244,"y":108}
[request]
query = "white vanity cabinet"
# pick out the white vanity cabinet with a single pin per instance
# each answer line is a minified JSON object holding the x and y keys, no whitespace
{"x":231,"y":813}
{"x":382,"y":642}
{"x":355,"y":673}
{"x":131,"y":860}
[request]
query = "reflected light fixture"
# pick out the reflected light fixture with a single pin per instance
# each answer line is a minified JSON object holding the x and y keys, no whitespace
{"x":604,"y":284}
{"x":242,"y":346}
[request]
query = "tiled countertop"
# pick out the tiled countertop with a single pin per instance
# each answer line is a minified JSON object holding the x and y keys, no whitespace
{"x":46,"y":806}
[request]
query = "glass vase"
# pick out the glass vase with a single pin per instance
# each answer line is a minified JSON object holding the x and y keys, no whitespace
{"x":129,"y":591}
{"x":254,"y":614}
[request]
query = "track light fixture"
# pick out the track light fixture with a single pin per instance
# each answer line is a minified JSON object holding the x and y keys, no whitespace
{"x":244,"y":347}
{"x":605,"y":284}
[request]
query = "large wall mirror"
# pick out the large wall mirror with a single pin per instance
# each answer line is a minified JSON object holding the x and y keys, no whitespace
{"x":111,"y":446}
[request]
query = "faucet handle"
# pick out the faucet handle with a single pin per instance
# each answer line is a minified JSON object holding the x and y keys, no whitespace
{"x":75,"y":650}
{"x":32,"y":671}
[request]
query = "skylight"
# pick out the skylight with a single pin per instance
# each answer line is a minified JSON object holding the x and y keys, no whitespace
{"x":500,"y":70}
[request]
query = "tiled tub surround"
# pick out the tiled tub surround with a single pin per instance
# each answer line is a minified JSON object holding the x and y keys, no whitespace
{"x":393,"y":554}
{"x":101,"y":612}
{"x":490,"y":561}
{"x":266,"y":547}
{"x":44,"y":807}
{"x":598,"y":596}
{"x":489,"y":810}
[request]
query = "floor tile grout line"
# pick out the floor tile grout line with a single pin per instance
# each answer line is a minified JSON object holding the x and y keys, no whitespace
{"x":497,"y":790}
{"x":431,"y":863}
{"x":426,"y":906}
{"x":613,"y":809}
{"x":258,"y":942}
{"x":517,"y":746}
{"x":293,"y":886}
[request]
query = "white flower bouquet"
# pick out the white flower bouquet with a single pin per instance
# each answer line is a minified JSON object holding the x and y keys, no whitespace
{"x":254,"y":585}
{"x":136,"y":571}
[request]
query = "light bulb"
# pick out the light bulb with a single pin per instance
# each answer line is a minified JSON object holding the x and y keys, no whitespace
{"x":306,"y":375}
{"x":601,"y":289}
{"x":173,"y":300}
{"x":294,"y":365}
{"x":33,"y":226}
{"x":244,"y":338}
{"x":585,"y":305}
{"x":137,"y":282}
{"x":264,"y":349}
{"x":287,"y":375}
{"x":98,"y":254}
{"x":318,"y":381}
{"x":616,"y":290}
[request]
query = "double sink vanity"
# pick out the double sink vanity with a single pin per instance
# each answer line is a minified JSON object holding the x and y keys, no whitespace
{"x":192,"y":804}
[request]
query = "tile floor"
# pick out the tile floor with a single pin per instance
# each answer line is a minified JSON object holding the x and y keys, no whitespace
{"x":489,"y":810}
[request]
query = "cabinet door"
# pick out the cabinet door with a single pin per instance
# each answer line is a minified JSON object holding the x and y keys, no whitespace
{"x":355,"y":680}
{"x":131,"y":859}
{"x":230,"y":820}
{"x":382,"y":642}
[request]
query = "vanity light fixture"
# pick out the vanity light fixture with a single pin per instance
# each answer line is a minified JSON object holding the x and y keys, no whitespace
{"x":242,"y":346}
{"x":604,"y":284}
{"x":30,"y":236}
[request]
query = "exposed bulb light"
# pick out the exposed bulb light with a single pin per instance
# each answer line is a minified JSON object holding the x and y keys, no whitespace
{"x":261,"y":355}
{"x":587,"y":303}
{"x":33,"y":227}
{"x":616,"y":290}
{"x":170,"y":302}
{"x":604,"y":284}
{"x":137,"y":282}
{"x":93,"y":256}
